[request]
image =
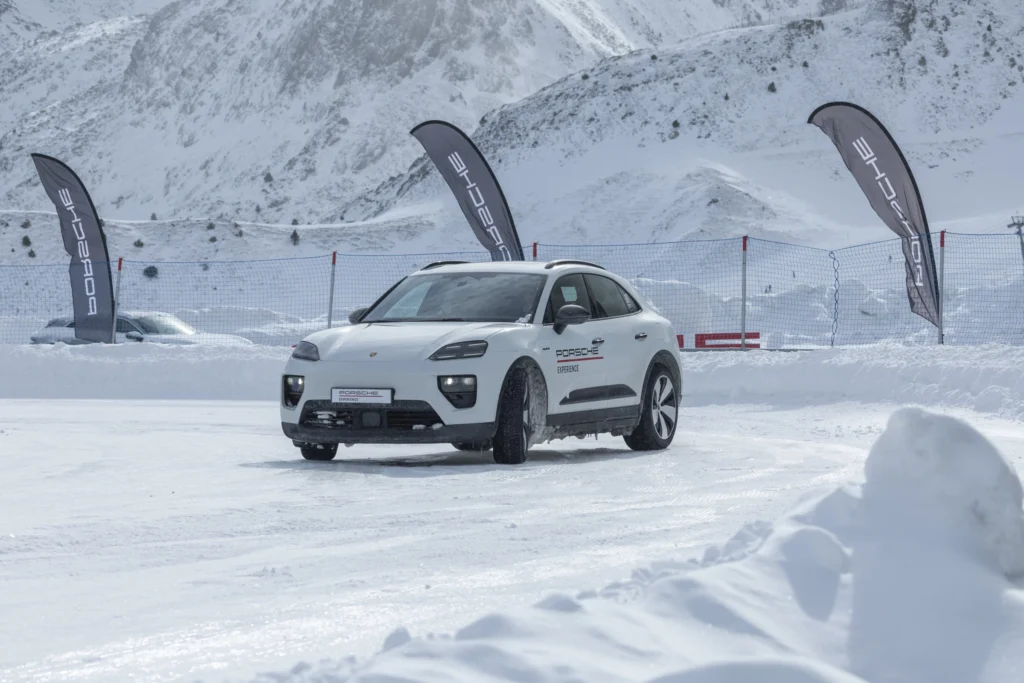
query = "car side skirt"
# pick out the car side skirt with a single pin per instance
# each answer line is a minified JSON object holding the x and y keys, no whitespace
{"x":593,"y":421}
{"x":592,"y":394}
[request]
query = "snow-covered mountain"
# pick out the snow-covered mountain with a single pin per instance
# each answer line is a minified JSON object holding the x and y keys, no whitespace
{"x":708,"y":139}
{"x":276,"y":109}
{"x":26,"y":20}
{"x":606,"y":120}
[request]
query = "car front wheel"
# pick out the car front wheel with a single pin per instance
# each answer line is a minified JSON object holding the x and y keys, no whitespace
{"x":515,"y":419}
{"x":659,"y":413}
{"x":319,"y":452}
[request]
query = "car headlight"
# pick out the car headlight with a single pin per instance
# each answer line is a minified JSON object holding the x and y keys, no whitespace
{"x":470,"y":349}
{"x":306,"y":351}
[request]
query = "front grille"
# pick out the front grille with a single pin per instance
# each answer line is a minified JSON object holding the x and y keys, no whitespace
{"x":401,"y":415}
{"x":410,"y":419}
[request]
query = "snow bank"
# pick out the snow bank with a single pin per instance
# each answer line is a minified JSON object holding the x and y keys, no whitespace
{"x":141,"y":371}
{"x":902,"y":579}
{"x":988,"y":379}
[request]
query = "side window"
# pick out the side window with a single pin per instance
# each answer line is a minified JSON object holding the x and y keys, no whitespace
{"x":124,"y":327}
{"x":606,"y":297}
{"x":567,"y":290}
{"x":631,"y":305}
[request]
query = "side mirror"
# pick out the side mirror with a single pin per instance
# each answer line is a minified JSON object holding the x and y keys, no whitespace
{"x":134,"y":336}
{"x":355,"y":315}
{"x":570,"y":314}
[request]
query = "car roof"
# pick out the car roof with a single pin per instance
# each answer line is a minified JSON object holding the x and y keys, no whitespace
{"x":538,"y":267}
{"x":139,"y":314}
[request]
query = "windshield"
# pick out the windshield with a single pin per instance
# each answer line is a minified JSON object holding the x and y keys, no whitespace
{"x":162,"y":324}
{"x":468,"y":297}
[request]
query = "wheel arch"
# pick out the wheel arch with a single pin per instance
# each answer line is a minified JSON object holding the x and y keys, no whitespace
{"x":530,"y":363}
{"x":663,"y":357}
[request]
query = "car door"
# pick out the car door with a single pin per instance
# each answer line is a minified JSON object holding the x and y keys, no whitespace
{"x":617,"y":324}
{"x":573,"y":364}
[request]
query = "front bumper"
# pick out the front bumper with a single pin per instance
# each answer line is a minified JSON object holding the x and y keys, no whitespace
{"x":443,"y":434}
{"x":404,"y":421}
{"x":418,"y":403}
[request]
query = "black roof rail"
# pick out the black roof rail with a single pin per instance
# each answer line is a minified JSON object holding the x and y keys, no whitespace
{"x":568,"y":261}
{"x":438,"y":264}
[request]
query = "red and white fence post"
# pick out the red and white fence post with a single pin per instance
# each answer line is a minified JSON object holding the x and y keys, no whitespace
{"x":743,"y":303}
{"x":117,"y":301}
{"x":534,"y":251}
{"x":330,"y":300}
{"x":942,"y":281}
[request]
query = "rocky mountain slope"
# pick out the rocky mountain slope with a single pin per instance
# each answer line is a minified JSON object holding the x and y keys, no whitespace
{"x":606,"y":120}
{"x":272,"y":110}
{"x":708,"y":139}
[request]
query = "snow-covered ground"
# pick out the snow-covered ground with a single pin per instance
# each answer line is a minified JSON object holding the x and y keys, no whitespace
{"x":181,"y":540}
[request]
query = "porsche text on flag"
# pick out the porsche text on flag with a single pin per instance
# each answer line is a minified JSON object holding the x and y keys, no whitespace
{"x":91,"y":292}
{"x":475,"y":187}
{"x":881,"y":170}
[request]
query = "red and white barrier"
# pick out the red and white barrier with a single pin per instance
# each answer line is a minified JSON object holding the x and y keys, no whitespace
{"x":721,"y":340}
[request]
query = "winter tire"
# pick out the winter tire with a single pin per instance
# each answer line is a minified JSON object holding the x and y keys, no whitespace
{"x":319,"y":452}
{"x":472,"y":447}
{"x":515,"y":419}
{"x":659,"y":412}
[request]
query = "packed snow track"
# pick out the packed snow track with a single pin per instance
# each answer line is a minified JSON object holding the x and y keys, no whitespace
{"x":189,"y":540}
{"x":183,"y":540}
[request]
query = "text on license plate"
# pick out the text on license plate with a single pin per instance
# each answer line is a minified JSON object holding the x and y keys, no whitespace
{"x":367,"y":396}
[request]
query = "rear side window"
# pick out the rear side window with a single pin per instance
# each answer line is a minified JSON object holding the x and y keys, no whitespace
{"x":631,"y":305}
{"x":569,"y":289}
{"x":608,"y":299}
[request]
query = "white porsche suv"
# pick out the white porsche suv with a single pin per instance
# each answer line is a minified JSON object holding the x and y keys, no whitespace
{"x":488,"y":356}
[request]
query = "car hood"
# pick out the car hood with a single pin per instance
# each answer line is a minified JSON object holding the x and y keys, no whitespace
{"x":398,"y":341}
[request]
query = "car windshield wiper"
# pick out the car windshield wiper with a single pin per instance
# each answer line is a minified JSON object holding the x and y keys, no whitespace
{"x":418,"y":320}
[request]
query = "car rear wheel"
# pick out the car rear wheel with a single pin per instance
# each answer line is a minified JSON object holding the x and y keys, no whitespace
{"x":659,"y":413}
{"x":515,"y":419}
{"x":320,"y":452}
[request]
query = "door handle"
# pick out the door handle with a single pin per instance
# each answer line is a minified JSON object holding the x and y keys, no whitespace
{"x":597,"y":341}
{"x":641,"y":336}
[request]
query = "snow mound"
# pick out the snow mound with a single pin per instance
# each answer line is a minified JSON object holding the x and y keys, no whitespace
{"x":762,"y":670}
{"x":937,"y":474}
{"x":901,"y":579}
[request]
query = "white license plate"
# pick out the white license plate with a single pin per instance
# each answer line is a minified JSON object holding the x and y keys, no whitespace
{"x":363,"y":396}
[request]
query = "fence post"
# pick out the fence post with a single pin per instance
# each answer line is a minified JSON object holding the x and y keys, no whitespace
{"x":117,"y":301}
{"x":942,"y":282}
{"x":743,"y":309}
{"x":835,"y":298}
{"x":534,"y":251}
{"x":330,"y":302}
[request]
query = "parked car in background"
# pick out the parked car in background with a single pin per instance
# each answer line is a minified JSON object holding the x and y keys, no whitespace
{"x":162,"y":328}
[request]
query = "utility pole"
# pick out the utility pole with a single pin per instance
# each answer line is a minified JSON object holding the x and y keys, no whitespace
{"x":1018,"y":223}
